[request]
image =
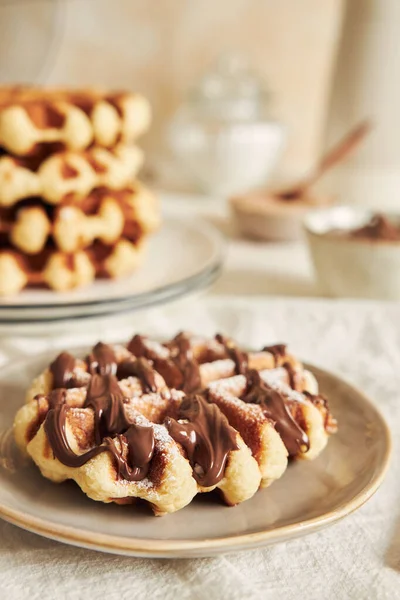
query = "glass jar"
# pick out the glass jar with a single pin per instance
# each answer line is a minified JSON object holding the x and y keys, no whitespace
{"x":222,"y":134}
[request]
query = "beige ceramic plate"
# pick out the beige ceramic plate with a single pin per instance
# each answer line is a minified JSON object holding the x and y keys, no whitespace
{"x":309,"y":496}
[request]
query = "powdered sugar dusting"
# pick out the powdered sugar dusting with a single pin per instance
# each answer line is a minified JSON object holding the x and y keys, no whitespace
{"x":217,"y":369}
{"x":232,"y":385}
{"x":274,"y":375}
{"x":282,"y":387}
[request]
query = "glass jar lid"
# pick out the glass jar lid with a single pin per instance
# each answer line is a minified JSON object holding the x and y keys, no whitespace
{"x":230,"y":90}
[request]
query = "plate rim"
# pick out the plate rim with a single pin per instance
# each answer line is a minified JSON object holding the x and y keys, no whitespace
{"x":159,"y":548}
{"x":219,"y":253}
{"x":193,"y":284}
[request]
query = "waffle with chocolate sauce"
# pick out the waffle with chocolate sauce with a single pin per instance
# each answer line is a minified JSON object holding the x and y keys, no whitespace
{"x":70,"y":208}
{"x":164,"y":421}
{"x":33,"y":120}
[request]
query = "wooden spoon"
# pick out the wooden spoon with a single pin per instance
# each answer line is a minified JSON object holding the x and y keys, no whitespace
{"x":336,"y":154}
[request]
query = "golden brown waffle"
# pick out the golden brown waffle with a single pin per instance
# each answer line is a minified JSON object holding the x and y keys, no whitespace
{"x":68,"y":175}
{"x":33,"y":119}
{"x":104,"y":215}
{"x":62,"y":271}
{"x":236,"y":436}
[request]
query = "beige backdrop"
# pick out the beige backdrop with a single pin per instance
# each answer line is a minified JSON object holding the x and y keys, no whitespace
{"x":161,"y":47}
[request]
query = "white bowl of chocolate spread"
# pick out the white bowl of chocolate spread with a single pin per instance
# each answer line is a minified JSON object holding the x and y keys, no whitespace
{"x":355,"y":252}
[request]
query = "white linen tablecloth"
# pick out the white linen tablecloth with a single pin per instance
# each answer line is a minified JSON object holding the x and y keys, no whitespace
{"x":357,"y":558}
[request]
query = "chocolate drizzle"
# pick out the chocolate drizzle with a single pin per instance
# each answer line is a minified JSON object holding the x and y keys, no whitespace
{"x":182,"y":357}
{"x":180,"y":369}
{"x":294,"y":376}
{"x":102,"y":360}
{"x":139,"y":348}
{"x":321,"y":402}
{"x":278,"y":351}
{"x":276,"y":409}
{"x":206,"y":437}
{"x":132,"y":455}
{"x":140,"y":440}
{"x":106,"y":399}
{"x":54,"y":427}
{"x":240,"y":358}
{"x":44,"y":403}
{"x":62,"y":369}
{"x":136,"y":446}
{"x":170,"y":372}
{"x":57,"y":397}
{"x":140,"y":368}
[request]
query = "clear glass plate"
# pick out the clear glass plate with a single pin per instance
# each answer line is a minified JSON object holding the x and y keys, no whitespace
{"x":183,"y":256}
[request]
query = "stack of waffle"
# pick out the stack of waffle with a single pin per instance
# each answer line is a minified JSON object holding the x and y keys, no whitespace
{"x":70,"y":206}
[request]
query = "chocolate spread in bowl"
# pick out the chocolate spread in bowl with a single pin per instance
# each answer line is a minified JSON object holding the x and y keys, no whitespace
{"x":379,"y":227}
